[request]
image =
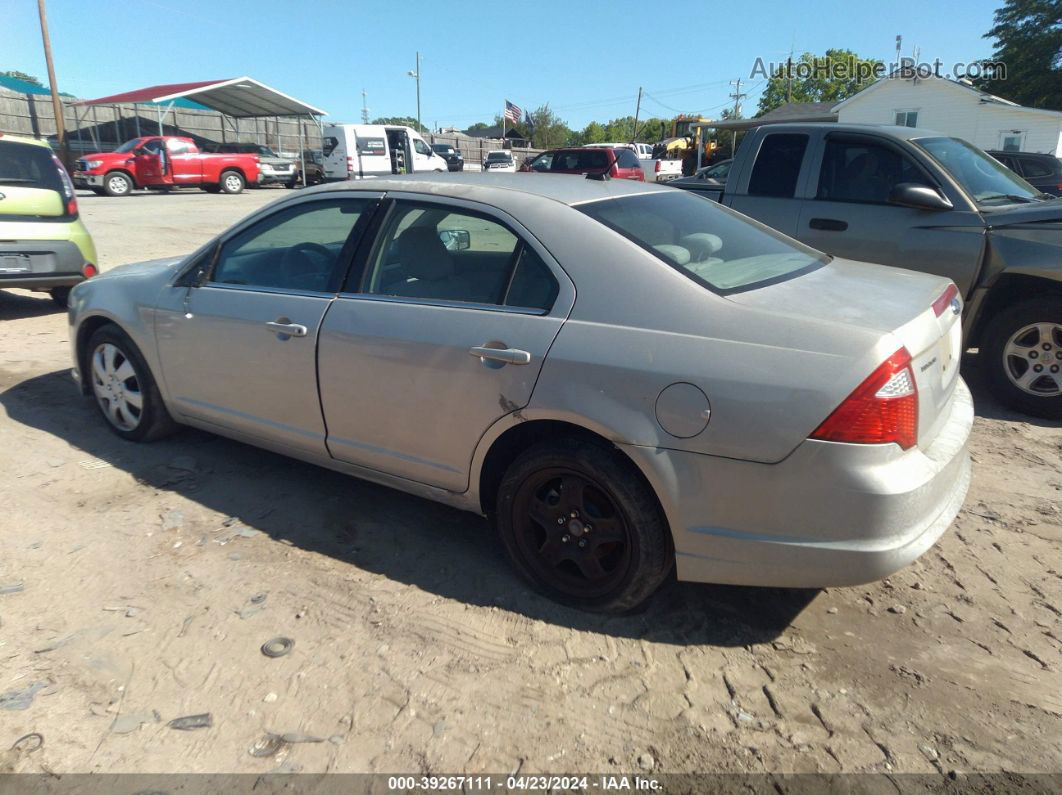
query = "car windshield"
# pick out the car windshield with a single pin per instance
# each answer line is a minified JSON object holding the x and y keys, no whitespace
{"x":716,"y":247}
{"x":499,"y":156}
{"x":983,"y":177}
{"x":128,"y":146}
{"x":265,"y":151}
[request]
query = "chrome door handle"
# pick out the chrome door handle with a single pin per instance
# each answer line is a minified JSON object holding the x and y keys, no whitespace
{"x":503,"y":355}
{"x":287,"y":329}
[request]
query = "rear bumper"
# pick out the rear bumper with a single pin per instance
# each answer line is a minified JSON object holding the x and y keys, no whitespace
{"x":51,"y":263}
{"x":828,"y":515}
{"x":273,"y":179}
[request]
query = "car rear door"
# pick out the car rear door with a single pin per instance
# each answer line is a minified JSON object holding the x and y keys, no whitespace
{"x":239,"y":351}
{"x":771,"y":190}
{"x":440,"y":333}
{"x":847,"y":212}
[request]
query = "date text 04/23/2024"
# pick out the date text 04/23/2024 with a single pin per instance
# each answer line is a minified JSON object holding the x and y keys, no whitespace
{"x":604,"y":783}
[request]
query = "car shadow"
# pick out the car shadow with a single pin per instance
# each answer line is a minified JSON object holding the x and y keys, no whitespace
{"x":381,"y":530}
{"x":18,"y":306}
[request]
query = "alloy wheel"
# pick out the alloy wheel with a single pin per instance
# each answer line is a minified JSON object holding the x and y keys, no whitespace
{"x":118,"y":184}
{"x":232,"y":183}
{"x":117,"y":387}
{"x":1032,"y":359}
{"x":571,"y":533}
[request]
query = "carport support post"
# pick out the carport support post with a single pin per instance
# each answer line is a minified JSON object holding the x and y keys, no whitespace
{"x":158,"y":113}
{"x":136,"y":117}
{"x":302,"y":152}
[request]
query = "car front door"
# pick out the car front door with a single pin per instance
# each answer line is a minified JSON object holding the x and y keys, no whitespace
{"x":439,"y":333}
{"x":148,"y":162}
{"x":238,"y":351}
{"x":186,"y":166}
{"x":848,"y":213}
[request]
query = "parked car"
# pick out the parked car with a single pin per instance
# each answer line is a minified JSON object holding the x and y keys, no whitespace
{"x":314,"y":160}
{"x":275,"y":169}
{"x":1041,"y":171}
{"x":720,"y":396}
{"x":165,"y":162}
{"x":711,"y":177}
{"x":455,"y":161}
{"x":644,"y":151}
{"x":661,"y":169}
{"x":917,"y":199}
{"x":499,"y":161}
{"x":619,"y":163}
{"x":43,"y":243}
{"x":353,"y":151}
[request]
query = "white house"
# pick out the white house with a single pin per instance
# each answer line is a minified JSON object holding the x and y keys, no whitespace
{"x":955,"y":109}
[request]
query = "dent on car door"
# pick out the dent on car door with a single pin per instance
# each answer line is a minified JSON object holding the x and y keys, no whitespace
{"x":238,"y":352}
{"x":442,"y":332}
{"x":850,"y":215}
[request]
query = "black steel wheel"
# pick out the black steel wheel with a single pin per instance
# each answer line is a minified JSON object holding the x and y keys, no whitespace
{"x":583,"y":526}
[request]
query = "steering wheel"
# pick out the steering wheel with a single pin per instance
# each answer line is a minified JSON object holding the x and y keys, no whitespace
{"x":298,"y":261}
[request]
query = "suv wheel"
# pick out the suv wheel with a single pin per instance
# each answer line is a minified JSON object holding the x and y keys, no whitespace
{"x":580,"y":523}
{"x":117,"y":183}
{"x":124,"y":389}
{"x":1023,"y":348}
{"x":232,"y":182}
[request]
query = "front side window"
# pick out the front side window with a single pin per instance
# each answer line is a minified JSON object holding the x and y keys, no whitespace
{"x":716,"y":247}
{"x":863,"y":171}
{"x":435,"y":252}
{"x":778,"y":165}
{"x":1034,"y":168}
{"x":176,"y":147}
{"x":421,"y":147}
{"x":986,"y":179}
{"x":543,"y":162}
{"x":297,"y":248}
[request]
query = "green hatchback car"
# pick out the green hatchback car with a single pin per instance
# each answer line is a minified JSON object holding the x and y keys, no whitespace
{"x":44,"y":245}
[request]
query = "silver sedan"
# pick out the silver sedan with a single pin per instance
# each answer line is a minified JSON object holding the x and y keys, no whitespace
{"x":626,"y":378}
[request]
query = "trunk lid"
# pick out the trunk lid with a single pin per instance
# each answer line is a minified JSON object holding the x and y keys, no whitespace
{"x":890,"y":301}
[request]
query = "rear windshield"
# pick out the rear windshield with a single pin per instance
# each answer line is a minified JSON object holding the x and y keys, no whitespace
{"x":28,"y":166}
{"x":579,"y":160}
{"x":716,"y":247}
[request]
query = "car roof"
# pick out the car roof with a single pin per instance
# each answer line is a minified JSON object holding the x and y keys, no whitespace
{"x":905,"y":133}
{"x":501,"y":190}
{"x":22,"y":139}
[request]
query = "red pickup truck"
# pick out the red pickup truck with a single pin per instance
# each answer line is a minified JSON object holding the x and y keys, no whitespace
{"x":168,"y":161}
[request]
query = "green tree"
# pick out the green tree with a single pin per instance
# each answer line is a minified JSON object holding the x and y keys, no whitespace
{"x":548,"y":129}
{"x":1028,"y":36}
{"x":593,"y":133}
{"x":831,"y":77}
{"x":15,"y":73}
{"x":401,"y":121}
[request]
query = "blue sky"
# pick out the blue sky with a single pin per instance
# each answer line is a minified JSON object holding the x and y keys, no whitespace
{"x":587,"y":59}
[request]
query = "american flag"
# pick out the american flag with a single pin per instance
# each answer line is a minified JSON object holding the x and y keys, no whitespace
{"x":512,"y":112}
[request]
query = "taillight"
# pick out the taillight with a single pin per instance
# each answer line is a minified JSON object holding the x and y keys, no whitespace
{"x":71,"y":207}
{"x":89,"y":270}
{"x":883,"y":409}
{"x":656,"y":168}
{"x":945,"y":300}
{"x":350,"y":165}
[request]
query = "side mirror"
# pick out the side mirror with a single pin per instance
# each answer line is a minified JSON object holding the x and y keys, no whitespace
{"x":140,"y":151}
{"x":199,"y":277}
{"x":918,"y":197}
{"x":456,"y":239}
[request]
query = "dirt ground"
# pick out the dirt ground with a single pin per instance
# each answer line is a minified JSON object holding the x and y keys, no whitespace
{"x":138,"y":583}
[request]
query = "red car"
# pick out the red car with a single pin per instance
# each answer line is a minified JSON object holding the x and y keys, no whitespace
{"x":618,"y":163}
{"x":156,"y":161}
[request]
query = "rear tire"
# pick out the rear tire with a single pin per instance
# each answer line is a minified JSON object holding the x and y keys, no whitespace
{"x":232,"y":182}
{"x":119,"y":379}
{"x":1016,"y":342}
{"x":118,"y":183}
{"x":581,"y":524}
{"x":60,"y":295}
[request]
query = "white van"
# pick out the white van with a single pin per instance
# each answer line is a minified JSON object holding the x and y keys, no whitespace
{"x":355,"y":151}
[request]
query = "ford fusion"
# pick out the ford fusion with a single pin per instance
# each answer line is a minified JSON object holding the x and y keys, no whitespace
{"x":627,"y":379}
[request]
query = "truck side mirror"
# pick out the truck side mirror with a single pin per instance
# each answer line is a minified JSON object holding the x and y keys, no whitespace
{"x":918,"y":197}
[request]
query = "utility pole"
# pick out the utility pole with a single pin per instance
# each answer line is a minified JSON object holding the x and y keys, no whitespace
{"x":364,"y":107}
{"x":737,"y":95}
{"x":637,"y":111}
{"x":415,"y":73}
{"x":57,"y":106}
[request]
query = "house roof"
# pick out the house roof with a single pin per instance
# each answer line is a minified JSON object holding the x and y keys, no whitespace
{"x":982,"y":96}
{"x":239,"y":97}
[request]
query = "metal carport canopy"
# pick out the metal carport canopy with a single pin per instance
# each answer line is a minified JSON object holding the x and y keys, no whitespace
{"x":239,"y":97}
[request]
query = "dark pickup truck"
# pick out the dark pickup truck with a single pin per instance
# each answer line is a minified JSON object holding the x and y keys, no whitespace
{"x":917,"y":199}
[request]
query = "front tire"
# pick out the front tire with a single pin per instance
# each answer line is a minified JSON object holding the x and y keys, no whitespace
{"x":124,"y":389}
{"x":581,"y":524}
{"x":118,"y":183}
{"x":232,"y":182}
{"x":1023,"y":352}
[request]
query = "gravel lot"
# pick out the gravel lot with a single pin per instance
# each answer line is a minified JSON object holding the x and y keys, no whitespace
{"x":417,"y":649}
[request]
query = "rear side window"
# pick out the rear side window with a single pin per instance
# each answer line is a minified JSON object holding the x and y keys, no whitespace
{"x":1033,"y":168}
{"x":714,"y":246}
{"x":778,"y":165}
{"x":28,"y":166}
{"x":625,"y":158}
{"x":532,"y":285}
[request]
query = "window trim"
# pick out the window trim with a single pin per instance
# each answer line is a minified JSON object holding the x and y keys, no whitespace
{"x":861,"y":139}
{"x":368,"y":251}
{"x":342,"y":263}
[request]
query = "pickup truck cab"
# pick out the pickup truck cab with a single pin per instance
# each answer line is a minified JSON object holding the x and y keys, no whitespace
{"x":917,"y":199}
{"x":164,"y":162}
